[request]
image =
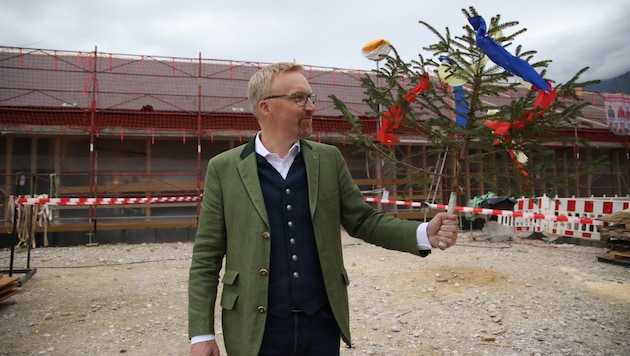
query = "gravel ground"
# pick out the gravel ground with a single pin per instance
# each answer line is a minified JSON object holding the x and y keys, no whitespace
{"x":526,"y":297}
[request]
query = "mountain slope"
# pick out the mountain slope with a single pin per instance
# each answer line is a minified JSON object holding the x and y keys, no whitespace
{"x":613,"y":85}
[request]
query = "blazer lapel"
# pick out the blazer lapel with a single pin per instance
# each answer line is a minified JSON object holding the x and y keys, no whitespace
{"x":248,"y":170}
{"x":311,"y":160}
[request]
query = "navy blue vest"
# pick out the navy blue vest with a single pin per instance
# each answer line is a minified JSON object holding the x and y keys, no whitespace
{"x":295,"y":276}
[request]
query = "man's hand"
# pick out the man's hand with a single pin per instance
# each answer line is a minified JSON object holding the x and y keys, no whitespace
{"x":205,"y":348}
{"x":443,"y":227}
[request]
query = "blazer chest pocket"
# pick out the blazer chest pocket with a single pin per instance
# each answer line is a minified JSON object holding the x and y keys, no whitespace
{"x":229,"y":295}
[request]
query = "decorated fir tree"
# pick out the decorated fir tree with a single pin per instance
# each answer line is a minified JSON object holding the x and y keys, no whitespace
{"x":444,"y":99}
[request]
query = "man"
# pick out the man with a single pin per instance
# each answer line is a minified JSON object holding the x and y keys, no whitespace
{"x":273,"y":208}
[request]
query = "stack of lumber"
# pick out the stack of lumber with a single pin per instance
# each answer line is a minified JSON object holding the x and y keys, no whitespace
{"x":617,"y":227}
{"x":8,"y":287}
{"x":616,"y":232}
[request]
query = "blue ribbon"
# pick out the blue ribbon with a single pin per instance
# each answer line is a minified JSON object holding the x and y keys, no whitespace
{"x":459,"y":95}
{"x":461,"y":106}
{"x":503,"y":58}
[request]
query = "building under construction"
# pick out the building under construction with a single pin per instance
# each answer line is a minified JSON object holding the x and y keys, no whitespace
{"x":90,"y":124}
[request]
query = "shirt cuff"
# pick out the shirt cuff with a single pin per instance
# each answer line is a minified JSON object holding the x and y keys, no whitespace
{"x":201,"y":338}
{"x":422,"y":238}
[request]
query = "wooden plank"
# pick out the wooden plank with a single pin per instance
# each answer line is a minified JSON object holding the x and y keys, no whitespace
{"x":616,"y":254}
{"x":130,"y":187}
{"x":409,"y":197}
{"x":5,"y":281}
{"x":8,"y":294}
{"x":121,"y":224}
{"x":8,"y":287}
{"x":617,"y":261}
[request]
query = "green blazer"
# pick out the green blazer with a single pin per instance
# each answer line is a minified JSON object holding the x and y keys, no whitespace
{"x":233,"y":225}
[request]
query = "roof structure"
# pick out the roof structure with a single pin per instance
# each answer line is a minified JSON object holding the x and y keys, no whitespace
{"x":36,"y":84}
{"x":98,"y":91}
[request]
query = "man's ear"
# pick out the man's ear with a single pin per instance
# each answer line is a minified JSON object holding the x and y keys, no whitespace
{"x":264,"y":109}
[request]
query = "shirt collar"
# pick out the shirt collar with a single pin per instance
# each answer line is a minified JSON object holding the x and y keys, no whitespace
{"x":262,"y":150}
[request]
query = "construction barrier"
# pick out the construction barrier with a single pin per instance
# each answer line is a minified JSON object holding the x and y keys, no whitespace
{"x":485,"y":211}
{"x":33,"y":212}
{"x":102,"y":201}
{"x":573,"y":217}
{"x":576,"y":208}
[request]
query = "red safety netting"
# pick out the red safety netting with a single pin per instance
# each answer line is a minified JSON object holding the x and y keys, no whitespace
{"x":94,"y":92}
{"x":98,"y":92}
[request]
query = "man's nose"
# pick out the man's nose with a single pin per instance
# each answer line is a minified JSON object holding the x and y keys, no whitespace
{"x":310,"y":105}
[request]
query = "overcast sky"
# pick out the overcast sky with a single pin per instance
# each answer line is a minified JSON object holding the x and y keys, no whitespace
{"x":572,"y":33}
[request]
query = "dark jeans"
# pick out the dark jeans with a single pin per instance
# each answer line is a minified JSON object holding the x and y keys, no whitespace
{"x":301,"y":334}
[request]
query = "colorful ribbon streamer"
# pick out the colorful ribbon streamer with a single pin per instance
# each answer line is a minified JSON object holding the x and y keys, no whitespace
{"x":394,"y":115}
{"x":518,"y":67}
{"x":461,"y":105}
{"x":503,"y":58}
{"x":447,"y":75}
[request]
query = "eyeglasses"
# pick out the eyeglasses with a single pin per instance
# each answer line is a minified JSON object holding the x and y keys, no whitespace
{"x":300,"y":98}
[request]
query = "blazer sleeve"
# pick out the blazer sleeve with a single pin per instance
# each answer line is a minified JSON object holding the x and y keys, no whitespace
{"x":208,"y":252}
{"x":363,"y":221}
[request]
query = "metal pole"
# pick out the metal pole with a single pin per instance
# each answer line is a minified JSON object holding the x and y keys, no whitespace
{"x":379,"y":123}
{"x":92,"y":175}
{"x":199,"y":107}
{"x":19,"y":180}
{"x":31,"y":227}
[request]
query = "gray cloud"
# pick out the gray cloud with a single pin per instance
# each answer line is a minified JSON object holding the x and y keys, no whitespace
{"x":573,"y":34}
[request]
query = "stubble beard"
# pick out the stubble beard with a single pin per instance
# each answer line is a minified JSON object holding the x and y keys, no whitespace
{"x":305,"y":127}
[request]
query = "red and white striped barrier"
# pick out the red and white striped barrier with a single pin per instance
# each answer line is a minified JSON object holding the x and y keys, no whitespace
{"x":597,"y":206}
{"x":575,"y":217}
{"x":484,"y":211}
{"x":103,"y":201}
{"x":577,"y":208}
{"x":593,"y":207}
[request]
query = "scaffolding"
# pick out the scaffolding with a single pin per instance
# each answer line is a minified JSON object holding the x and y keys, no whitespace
{"x":94,"y":124}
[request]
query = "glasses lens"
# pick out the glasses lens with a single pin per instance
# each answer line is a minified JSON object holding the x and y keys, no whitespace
{"x":300,"y":98}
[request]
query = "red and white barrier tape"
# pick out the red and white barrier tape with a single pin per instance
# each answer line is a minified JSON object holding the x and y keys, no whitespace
{"x":464,"y":209}
{"x":102,"y":201}
{"x":484,"y":211}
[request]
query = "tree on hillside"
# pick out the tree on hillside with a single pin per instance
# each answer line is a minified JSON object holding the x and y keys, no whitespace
{"x":495,"y":139}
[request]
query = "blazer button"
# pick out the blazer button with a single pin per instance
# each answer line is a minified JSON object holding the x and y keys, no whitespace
{"x":264,"y":272}
{"x":266,"y":235}
{"x":261,"y":309}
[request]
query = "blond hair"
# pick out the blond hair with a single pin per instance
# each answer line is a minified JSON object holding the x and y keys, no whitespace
{"x":260,"y":83}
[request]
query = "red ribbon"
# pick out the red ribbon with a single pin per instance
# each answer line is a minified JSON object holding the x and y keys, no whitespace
{"x":501,"y":129}
{"x":394,"y":115}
